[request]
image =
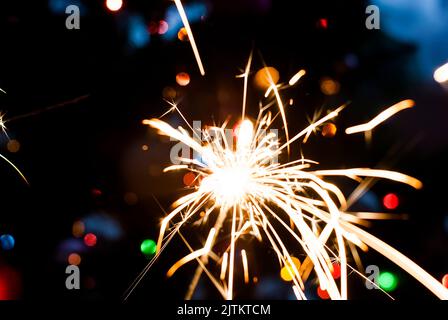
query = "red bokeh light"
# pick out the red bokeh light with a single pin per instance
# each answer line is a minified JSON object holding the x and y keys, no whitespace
{"x":189,"y":179}
{"x":323,"y":294}
{"x":323,"y":23}
{"x":391,"y":201}
{"x":336,"y":273}
{"x":90,"y":240}
{"x":10,"y":284}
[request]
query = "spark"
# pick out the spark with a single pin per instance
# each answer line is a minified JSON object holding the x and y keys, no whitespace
{"x":296,"y":77}
{"x":184,"y":18}
{"x":3,"y":124}
{"x":245,"y":266}
{"x":383,"y":116}
{"x":441,"y":73}
{"x":244,"y":192}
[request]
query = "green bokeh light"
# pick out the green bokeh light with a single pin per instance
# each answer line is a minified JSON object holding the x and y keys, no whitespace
{"x":148,"y":247}
{"x":388,"y":281}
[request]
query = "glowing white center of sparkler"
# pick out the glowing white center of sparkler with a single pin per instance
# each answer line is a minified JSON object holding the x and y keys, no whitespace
{"x":228,"y":185}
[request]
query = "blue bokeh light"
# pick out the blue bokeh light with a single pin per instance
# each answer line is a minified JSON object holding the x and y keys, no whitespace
{"x":421,"y":23}
{"x":138,"y":33}
{"x":7,"y":242}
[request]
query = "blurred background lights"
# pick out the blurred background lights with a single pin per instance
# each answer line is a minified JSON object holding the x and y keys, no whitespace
{"x":264,"y":76}
{"x":13,"y":146}
{"x":148,"y":247}
{"x":322,"y":23}
{"x":103,"y":225}
{"x":329,"y":130}
{"x":130,"y":198}
{"x":329,"y":86}
{"x":163,"y":27}
{"x":387,"y":281}
{"x":441,"y":73}
{"x":287,"y":272}
{"x":74,"y":259}
{"x":169,"y":93}
{"x":10,"y":283}
{"x":114,"y":5}
{"x":90,"y":240}
{"x":138,"y":33}
{"x":78,"y":229}
{"x":323,"y":294}
{"x":182,"y":35}
{"x":183,"y":79}
{"x":59,"y":6}
{"x":391,"y":201}
{"x":189,"y":179}
{"x":445,"y":281}
{"x":7,"y":242}
{"x":336,"y":273}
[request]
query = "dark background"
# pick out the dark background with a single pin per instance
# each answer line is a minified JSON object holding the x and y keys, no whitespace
{"x":82,"y":158}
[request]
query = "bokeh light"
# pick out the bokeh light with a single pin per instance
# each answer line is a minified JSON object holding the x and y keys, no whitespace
{"x":148,"y":247}
{"x":138,"y":33}
{"x":336,"y":273}
{"x":183,"y":79}
{"x":7,"y":242}
{"x":130,"y":198}
{"x":163,"y":27}
{"x":387,"y":281}
{"x":329,"y":86}
{"x":287,"y":272}
{"x":96,"y":192}
{"x":90,"y":239}
{"x":114,"y":5}
{"x":189,"y":179}
{"x":169,"y":93}
{"x":329,"y":130}
{"x":145,"y":147}
{"x":445,"y":281}
{"x":323,"y":294}
{"x":264,"y":76}
{"x":13,"y":146}
{"x":182,"y":35}
{"x":391,"y":201}
{"x":74,"y":259}
{"x":78,"y":229}
{"x":10,"y":283}
{"x":322,"y":23}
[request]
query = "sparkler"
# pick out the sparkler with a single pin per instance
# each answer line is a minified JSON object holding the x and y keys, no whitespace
{"x":243,"y":192}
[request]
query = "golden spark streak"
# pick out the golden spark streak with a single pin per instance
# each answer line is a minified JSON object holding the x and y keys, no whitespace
{"x":297,"y":77}
{"x":193,"y":255}
{"x":184,"y":18}
{"x":224,"y":266}
{"x":245,"y":266}
{"x":383,"y":116}
{"x":15,"y":168}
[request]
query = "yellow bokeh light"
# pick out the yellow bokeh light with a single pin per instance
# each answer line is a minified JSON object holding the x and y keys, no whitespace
{"x":182,"y":35}
{"x":329,"y":86}
{"x":265,"y":77}
{"x":287,"y":272}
